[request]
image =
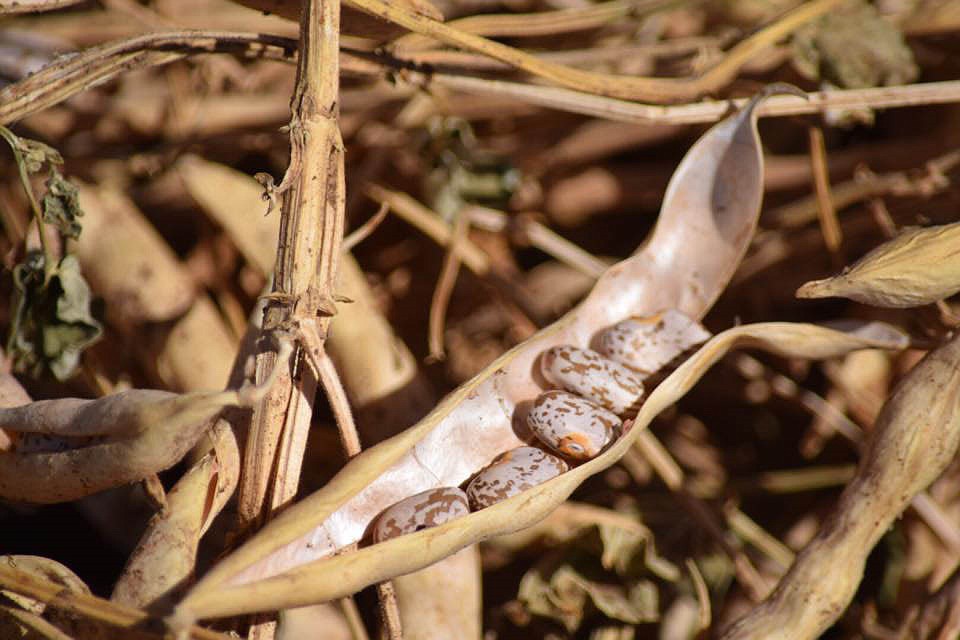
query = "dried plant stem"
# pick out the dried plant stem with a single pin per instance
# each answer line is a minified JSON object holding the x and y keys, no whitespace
{"x":33,"y":623}
{"x":922,"y":503}
{"x":914,"y":439}
{"x":86,"y":605}
{"x":432,"y":225}
{"x":352,"y":615}
{"x":363,"y":232}
{"x":389,"y":611}
{"x":703,"y":593}
{"x":311,"y":231}
{"x":699,"y":112}
{"x":445,"y":284}
{"x":672,"y":475}
{"x":657,"y":90}
{"x":541,"y":23}
{"x":829,"y":225}
{"x":751,"y":532}
{"x":541,"y":237}
{"x":67,"y":76}
{"x":867,"y":184}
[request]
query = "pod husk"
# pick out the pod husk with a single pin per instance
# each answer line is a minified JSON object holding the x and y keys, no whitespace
{"x":708,"y":216}
{"x":347,"y":573}
{"x":917,"y":267}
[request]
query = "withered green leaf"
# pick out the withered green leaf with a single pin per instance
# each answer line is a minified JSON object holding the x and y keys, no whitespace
{"x":917,"y":267}
{"x":61,"y":205}
{"x":52,"y":323}
{"x":564,"y":596}
{"x":854,"y":48}
{"x":36,"y":154}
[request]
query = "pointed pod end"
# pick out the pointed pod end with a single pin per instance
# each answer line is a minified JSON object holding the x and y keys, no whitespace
{"x":774,"y":89}
{"x":781,"y":88}
{"x":815,"y":289}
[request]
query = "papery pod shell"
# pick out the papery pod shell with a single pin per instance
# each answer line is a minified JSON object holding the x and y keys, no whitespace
{"x":709,"y":213}
{"x":917,"y":267}
{"x":340,"y":575}
{"x":144,"y":431}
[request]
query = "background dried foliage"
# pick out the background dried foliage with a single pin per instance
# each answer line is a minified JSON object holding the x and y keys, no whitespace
{"x":541,"y":189}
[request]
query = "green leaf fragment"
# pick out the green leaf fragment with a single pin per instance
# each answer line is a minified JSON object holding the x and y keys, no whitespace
{"x":61,"y":205}
{"x":36,"y":154}
{"x":855,"y":49}
{"x":52,"y":323}
{"x":566,"y":593}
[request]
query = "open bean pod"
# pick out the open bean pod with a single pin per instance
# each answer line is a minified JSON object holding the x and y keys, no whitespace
{"x":708,"y":216}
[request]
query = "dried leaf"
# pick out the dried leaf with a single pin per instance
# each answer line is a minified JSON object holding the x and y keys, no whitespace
{"x":37,"y":154}
{"x":565,"y":594}
{"x":52,"y":323}
{"x":917,"y":267}
{"x":61,"y":205}
{"x":854,"y":48}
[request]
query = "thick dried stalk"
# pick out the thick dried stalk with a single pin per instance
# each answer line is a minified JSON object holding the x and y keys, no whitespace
{"x":311,"y":230}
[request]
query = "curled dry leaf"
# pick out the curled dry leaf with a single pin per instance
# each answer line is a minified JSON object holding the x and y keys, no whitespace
{"x":915,"y":438}
{"x":917,"y":267}
{"x":97,"y":444}
{"x":708,"y":216}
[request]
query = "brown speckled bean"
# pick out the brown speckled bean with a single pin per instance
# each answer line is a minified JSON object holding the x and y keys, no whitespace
{"x":572,"y":426}
{"x":512,"y":472}
{"x":421,"y":511}
{"x":589,"y":374}
{"x":647,"y":344}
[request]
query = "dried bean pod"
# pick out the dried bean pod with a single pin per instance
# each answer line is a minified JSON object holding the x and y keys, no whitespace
{"x":572,"y":426}
{"x":27,"y":443}
{"x":589,"y":374}
{"x":421,"y":511}
{"x":647,"y":344}
{"x":512,"y":472}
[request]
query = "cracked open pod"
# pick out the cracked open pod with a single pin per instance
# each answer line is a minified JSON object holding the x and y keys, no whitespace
{"x":708,"y":217}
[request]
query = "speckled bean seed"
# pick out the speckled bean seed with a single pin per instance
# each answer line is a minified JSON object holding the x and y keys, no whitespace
{"x":512,"y":472}
{"x":421,"y":511}
{"x":572,"y":426}
{"x":589,"y":374}
{"x":647,"y":344}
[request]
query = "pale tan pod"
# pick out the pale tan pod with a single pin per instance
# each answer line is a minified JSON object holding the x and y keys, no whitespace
{"x":589,"y":374}
{"x":649,"y":343}
{"x":421,"y":511}
{"x":512,"y":472}
{"x":572,"y":426}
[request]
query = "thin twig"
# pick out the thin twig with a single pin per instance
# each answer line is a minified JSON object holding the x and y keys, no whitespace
{"x":540,"y":236}
{"x":444,"y":288}
{"x":69,"y":75}
{"x":672,"y":475}
{"x":703,"y":593}
{"x":363,"y":232}
{"x":541,"y":23}
{"x":705,"y":111}
{"x":829,"y":225}
{"x":657,"y":90}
